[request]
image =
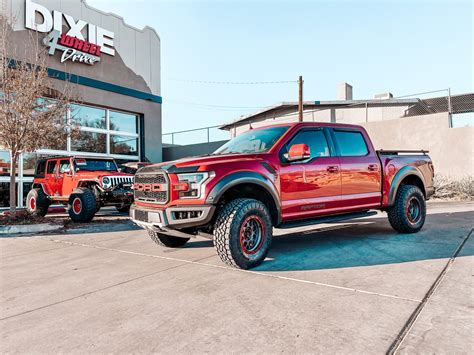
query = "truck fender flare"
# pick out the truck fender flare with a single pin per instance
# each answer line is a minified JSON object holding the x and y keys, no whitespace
{"x":244,"y":177}
{"x":397,"y":180}
{"x":42,"y":186}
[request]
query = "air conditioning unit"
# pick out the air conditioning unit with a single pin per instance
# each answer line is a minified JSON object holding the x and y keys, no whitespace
{"x":383,"y":96}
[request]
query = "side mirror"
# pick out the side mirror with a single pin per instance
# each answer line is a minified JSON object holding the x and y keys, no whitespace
{"x":298,"y":152}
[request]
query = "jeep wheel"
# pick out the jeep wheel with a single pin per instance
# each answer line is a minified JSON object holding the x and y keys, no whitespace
{"x":37,"y":203}
{"x":243,"y":233}
{"x":167,"y":240}
{"x":82,"y":205}
{"x":408,"y":214}
{"x":125,"y":208}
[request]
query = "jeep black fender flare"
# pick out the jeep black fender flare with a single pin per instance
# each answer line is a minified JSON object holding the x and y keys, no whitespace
{"x":399,"y":177}
{"x":240,"y":178}
{"x":41,"y":186}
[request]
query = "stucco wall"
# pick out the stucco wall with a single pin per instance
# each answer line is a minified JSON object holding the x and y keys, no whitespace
{"x":138,"y":49}
{"x":451,"y":149}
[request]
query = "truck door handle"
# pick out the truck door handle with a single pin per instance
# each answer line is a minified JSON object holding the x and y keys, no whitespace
{"x":333,"y":169}
{"x":373,"y":167}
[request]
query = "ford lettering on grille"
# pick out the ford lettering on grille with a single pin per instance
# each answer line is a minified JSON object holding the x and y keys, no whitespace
{"x":151,"y":187}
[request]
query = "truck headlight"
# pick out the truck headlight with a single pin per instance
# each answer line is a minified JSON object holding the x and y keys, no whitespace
{"x":106,"y":182}
{"x":191,"y":185}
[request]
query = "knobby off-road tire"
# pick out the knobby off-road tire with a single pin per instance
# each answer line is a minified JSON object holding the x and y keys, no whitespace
{"x":243,"y":233}
{"x":37,"y":202}
{"x":167,"y":240}
{"x":408,"y":214}
{"x":82,"y":205}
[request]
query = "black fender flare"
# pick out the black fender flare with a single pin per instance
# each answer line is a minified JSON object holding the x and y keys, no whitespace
{"x":244,"y":177}
{"x":42,"y":186}
{"x":397,"y":180}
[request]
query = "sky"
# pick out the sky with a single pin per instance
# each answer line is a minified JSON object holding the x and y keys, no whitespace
{"x":405,"y":47}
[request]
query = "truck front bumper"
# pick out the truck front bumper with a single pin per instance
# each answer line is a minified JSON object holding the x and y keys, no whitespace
{"x":171,"y":220}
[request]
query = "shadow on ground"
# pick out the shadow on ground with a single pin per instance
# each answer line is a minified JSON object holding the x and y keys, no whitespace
{"x":368,"y":242}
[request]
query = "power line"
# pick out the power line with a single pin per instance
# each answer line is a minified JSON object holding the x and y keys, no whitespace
{"x":233,"y":82}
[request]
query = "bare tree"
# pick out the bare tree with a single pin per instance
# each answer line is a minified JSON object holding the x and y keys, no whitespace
{"x":32,"y":115}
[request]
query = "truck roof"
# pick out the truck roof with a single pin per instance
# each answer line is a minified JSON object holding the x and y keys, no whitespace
{"x":312,"y":124}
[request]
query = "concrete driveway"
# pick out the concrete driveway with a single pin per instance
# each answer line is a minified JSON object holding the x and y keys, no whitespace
{"x":355,"y":287}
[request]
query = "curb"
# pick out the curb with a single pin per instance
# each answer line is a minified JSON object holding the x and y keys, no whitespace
{"x":28,"y":228}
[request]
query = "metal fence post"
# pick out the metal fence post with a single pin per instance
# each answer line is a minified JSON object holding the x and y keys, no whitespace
{"x":172,"y":138}
{"x":208,"y":140}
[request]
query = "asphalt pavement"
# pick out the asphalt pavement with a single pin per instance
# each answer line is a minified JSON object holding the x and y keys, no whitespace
{"x":354,"y":287}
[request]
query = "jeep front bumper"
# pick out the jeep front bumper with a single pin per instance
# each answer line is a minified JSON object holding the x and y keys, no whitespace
{"x":170,"y":220}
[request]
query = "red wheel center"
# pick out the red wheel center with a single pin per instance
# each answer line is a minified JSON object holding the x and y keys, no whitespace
{"x":413,"y":210}
{"x":77,"y":205}
{"x":32,"y":203}
{"x":252,"y":235}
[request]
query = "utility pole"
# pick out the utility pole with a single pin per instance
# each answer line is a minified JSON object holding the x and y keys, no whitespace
{"x":300,"y":99}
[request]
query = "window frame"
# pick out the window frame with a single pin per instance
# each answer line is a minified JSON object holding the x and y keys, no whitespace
{"x":351,"y":130}
{"x":286,"y":146}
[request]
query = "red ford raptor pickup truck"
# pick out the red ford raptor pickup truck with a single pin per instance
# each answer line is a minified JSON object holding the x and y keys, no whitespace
{"x":280,"y":176}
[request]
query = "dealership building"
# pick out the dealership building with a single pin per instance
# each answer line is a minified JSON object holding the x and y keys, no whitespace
{"x":113,"y":71}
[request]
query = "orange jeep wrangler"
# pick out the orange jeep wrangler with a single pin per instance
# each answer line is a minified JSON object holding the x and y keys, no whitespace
{"x":84,"y":184}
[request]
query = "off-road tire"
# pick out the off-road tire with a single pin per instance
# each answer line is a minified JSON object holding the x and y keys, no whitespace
{"x":167,"y":240}
{"x":37,"y":202}
{"x":399,"y":214}
{"x":82,"y":205}
{"x":229,"y":235}
{"x":123,"y":208}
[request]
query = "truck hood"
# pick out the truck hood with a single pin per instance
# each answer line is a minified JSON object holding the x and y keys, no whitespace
{"x":193,"y":163}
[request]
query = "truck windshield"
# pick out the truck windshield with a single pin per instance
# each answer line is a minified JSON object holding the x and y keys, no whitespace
{"x":95,"y":165}
{"x":254,"y":141}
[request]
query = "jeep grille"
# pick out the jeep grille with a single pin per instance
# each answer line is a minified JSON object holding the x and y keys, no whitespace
{"x":117,"y":180}
{"x":151,"y":196}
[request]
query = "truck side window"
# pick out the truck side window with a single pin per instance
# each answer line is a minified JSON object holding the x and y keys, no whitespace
{"x":351,"y":143}
{"x":51,"y":166}
{"x":315,"y":140}
{"x":64,"y":166}
{"x":40,"y":169}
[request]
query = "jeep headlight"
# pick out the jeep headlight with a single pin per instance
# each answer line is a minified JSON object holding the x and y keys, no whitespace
{"x":106,"y":182}
{"x":191,"y":185}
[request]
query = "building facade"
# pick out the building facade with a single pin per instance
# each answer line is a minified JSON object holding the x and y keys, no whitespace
{"x":112,"y":69}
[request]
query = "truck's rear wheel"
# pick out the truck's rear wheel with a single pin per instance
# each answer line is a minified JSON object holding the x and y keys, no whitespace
{"x":82,"y":205}
{"x":167,"y":240}
{"x":243,"y":233}
{"x":37,"y":203}
{"x":408,"y":214}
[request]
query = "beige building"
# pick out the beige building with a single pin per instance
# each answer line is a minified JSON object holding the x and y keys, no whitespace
{"x":393,"y":123}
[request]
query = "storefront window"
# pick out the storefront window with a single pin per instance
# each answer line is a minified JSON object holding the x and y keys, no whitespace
{"x":124,"y":122}
{"x":5,"y":163}
{"x":87,"y":116}
{"x":5,"y":194}
{"x":123,"y":145}
{"x":90,"y":142}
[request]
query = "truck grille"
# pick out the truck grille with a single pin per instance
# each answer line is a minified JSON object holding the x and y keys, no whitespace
{"x":116,"y":180}
{"x":151,"y":196}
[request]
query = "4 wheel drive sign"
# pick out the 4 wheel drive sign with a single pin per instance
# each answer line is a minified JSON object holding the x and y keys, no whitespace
{"x":73,"y":44}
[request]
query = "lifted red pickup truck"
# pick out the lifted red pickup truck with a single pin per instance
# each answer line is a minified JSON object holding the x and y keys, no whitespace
{"x":280,"y":176}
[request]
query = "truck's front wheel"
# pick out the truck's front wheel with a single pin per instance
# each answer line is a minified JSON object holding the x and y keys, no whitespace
{"x":243,"y":233}
{"x":82,"y":205}
{"x":408,"y":214}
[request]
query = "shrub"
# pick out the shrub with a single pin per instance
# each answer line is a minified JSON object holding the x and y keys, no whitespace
{"x":448,"y":188}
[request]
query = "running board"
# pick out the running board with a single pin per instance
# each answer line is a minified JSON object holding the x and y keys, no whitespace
{"x":328,"y":219}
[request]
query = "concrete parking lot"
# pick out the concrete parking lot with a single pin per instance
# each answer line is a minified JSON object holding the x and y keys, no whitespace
{"x":355,"y":287}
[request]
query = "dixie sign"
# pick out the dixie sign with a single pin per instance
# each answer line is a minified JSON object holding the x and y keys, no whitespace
{"x":73,"y":43}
